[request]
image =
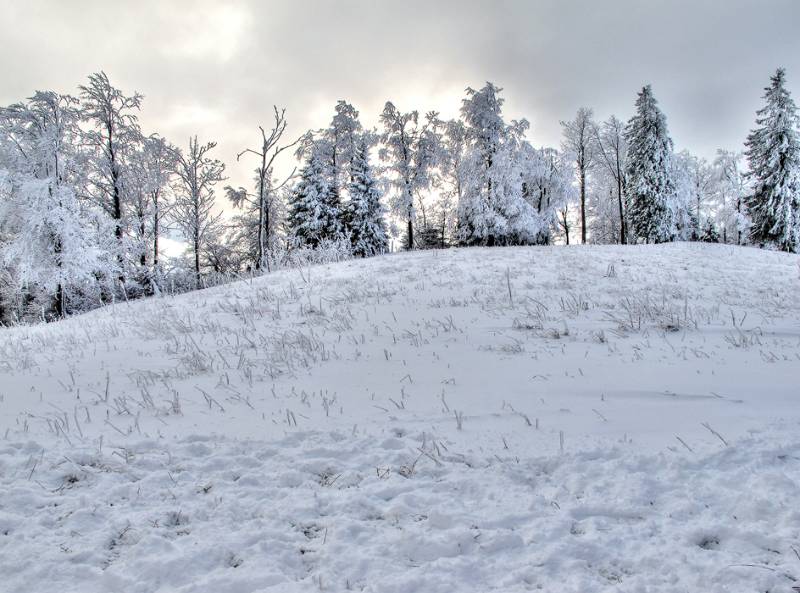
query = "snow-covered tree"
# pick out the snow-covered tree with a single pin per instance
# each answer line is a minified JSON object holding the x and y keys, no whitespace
{"x":773,"y":152}
{"x":731,"y":189}
{"x":493,"y":209}
{"x":315,"y":208}
{"x":410,"y":151}
{"x":648,"y":168}
{"x":694,"y":181}
{"x":685,"y":224}
{"x":612,"y":149}
{"x":441,"y":218}
{"x":158,"y":162}
{"x":147,"y":178}
{"x":49,"y":243}
{"x":263,"y":208}
{"x":364,"y":210}
{"x":547,"y":187}
{"x":580,"y":144}
{"x":113,"y":136}
{"x":344,"y":136}
{"x":708,"y":232}
{"x":194,"y":212}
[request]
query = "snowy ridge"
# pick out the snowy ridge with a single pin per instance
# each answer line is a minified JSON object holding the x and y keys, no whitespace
{"x":570,"y":419}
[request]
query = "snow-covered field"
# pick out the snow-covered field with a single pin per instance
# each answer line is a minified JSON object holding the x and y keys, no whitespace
{"x":556,"y":419}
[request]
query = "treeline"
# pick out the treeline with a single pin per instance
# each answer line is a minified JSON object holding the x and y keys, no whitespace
{"x":86,"y":195}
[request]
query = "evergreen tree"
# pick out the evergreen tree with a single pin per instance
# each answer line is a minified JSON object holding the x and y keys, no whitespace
{"x":648,"y":182}
{"x":773,"y":152}
{"x":364,"y":211}
{"x":314,"y":205}
{"x":709,"y":233}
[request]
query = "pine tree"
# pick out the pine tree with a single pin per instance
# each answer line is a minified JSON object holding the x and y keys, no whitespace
{"x":315,"y":206}
{"x":364,"y":211}
{"x":709,"y":233}
{"x":773,"y":152}
{"x":649,"y":186}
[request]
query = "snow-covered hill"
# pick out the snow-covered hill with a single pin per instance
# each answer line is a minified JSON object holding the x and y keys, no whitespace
{"x":554,"y":419}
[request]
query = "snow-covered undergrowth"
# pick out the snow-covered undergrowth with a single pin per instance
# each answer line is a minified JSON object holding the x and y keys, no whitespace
{"x":555,"y":419}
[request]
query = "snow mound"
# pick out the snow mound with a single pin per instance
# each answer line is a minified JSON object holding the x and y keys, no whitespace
{"x":571,"y":419}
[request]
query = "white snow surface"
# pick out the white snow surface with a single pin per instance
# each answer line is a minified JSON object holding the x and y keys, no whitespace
{"x":508,"y":419}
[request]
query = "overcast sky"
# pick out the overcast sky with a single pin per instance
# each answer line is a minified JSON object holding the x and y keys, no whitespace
{"x":216,"y":68}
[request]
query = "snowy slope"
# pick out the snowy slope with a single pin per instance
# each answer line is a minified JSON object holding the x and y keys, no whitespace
{"x":556,"y":419}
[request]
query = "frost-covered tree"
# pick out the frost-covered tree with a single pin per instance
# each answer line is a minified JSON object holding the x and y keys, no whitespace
{"x":694,"y":181}
{"x":146,"y":183}
{"x":580,"y":144}
{"x":648,"y":182}
{"x":773,"y":152}
{"x":547,"y":187}
{"x":731,"y":189}
{"x":708,"y":232}
{"x":364,"y":210}
{"x":49,"y":243}
{"x":448,"y":185}
{"x":685,"y":224}
{"x":410,"y":150}
{"x":113,"y":136}
{"x":611,"y":149}
{"x":263,"y":208}
{"x":602,"y":209}
{"x":158,"y":162}
{"x":493,"y":209}
{"x":196,"y":176}
{"x":344,"y":135}
{"x":315,"y":208}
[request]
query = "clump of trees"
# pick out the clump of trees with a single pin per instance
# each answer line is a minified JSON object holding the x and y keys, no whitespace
{"x":87,"y":196}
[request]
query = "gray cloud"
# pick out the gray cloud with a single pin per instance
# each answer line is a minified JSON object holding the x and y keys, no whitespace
{"x":216,"y":68}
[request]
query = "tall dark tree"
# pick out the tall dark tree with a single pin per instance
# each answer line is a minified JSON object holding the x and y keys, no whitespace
{"x":773,"y":152}
{"x":364,"y":210}
{"x":648,"y":179}
{"x":315,"y":208}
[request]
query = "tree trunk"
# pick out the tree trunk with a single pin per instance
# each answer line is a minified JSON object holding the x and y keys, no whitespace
{"x":583,"y":205}
{"x":261,"y":217}
{"x":59,"y":301}
{"x":621,"y":213}
{"x":738,"y":230}
{"x":142,"y":233}
{"x":155,"y":231}
{"x":410,"y":245}
{"x":197,"y":257}
{"x":116,"y":200}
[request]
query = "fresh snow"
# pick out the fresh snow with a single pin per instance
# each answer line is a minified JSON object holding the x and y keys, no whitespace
{"x":509,"y":419}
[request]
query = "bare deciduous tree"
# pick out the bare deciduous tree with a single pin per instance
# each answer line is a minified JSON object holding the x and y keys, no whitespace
{"x":197,"y":174}
{"x":579,"y":143}
{"x":262,"y":201}
{"x":611,"y":149}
